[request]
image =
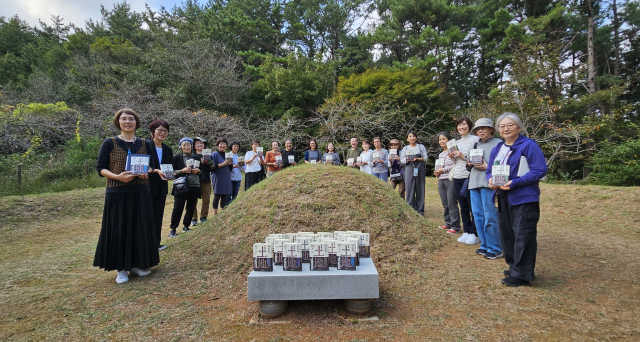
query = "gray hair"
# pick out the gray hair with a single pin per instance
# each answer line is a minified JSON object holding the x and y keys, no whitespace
{"x":288,"y":140}
{"x":511,"y":116}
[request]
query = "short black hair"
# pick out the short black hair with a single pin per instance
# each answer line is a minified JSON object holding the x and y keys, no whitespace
{"x":464,"y":119}
{"x":445,"y":134}
{"x":220,"y":140}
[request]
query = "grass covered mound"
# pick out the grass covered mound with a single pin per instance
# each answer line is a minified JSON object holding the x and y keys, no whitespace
{"x":314,"y":198}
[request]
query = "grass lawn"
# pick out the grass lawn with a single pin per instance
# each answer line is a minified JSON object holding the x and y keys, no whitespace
{"x":587,"y":276}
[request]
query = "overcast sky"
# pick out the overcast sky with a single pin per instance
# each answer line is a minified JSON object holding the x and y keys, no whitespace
{"x":72,"y":11}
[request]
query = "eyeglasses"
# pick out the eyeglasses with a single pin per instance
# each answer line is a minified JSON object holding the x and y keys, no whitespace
{"x":162,"y":131}
{"x":509,"y":125}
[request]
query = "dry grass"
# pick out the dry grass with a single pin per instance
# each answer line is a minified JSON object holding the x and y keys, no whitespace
{"x":432,"y":288}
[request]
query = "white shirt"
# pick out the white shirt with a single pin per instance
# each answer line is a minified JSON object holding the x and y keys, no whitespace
{"x":504,"y":150}
{"x":366,"y":157}
{"x":254,"y":166}
{"x":464,"y":145}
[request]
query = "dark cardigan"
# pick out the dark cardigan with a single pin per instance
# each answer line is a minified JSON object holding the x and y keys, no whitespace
{"x":156,"y":184}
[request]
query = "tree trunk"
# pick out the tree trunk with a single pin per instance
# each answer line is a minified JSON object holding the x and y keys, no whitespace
{"x":616,"y":38}
{"x":591,"y":55}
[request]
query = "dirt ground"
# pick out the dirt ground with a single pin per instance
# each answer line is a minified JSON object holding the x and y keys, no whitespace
{"x":587,"y":286}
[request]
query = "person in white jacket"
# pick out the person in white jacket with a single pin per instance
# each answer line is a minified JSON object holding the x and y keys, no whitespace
{"x":460,"y":155}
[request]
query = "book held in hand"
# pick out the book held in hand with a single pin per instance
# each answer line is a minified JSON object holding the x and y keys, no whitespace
{"x":279,"y":160}
{"x":291,"y":159}
{"x":259,"y":151}
{"x":359,"y":160}
{"x":196,"y":163}
{"x":229,"y":157}
{"x":393,"y":153}
{"x":409,"y":155}
{"x":240,"y":161}
{"x":500,"y":175}
{"x":439,"y":164}
{"x":206,"y":154}
{"x":262,"y":257}
{"x":138,"y":164}
{"x":476,"y":156}
{"x":190,"y":163}
{"x":167,"y":169}
{"x":313,"y":161}
{"x":452,"y":145}
{"x":350,"y":162}
{"x":376,"y":156}
{"x":329,"y":159}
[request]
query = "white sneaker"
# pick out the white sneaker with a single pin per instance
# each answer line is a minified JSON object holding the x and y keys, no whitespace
{"x":464,"y":237}
{"x":472,"y":240}
{"x":139,"y":272}
{"x":122,"y":277}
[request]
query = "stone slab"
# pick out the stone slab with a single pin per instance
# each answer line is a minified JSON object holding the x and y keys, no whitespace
{"x":315,"y":285}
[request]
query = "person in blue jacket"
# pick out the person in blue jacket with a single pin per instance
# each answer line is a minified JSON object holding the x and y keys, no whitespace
{"x":518,"y":199}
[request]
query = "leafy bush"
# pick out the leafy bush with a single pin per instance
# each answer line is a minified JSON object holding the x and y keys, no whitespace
{"x":617,"y":164}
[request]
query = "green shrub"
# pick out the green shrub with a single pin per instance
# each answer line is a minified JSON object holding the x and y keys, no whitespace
{"x":617,"y":164}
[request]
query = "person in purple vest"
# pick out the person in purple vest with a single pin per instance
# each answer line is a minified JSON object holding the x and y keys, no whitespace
{"x":518,"y":199}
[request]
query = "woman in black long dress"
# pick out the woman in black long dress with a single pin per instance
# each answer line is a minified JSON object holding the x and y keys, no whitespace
{"x":128,"y":241}
{"x":158,"y":184}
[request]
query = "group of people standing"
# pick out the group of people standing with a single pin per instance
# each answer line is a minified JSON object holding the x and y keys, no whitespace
{"x":134,"y":204}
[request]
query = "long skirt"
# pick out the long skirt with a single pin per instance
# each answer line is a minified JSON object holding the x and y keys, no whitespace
{"x":128,"y":237}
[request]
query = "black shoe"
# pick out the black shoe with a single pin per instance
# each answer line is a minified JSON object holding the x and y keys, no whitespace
{"x":494,"y":256}
{"x":506,"y":273}
{"x":161,"y":247}
{"x":172,"y":234}
{"x":185,"y":229}
{"x":481,"y":252}
{"x":203,"y":220}
{"x":194,"y":222}
{"x":514,"y":282}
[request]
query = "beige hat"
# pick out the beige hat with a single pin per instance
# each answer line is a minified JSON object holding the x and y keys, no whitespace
{"x":484,"y":122}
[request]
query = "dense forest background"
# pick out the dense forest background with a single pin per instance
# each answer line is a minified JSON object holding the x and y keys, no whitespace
{"x":302,"y":69}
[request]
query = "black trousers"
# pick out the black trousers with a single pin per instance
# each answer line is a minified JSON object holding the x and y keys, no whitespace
{"x":222,"y":199}
{"x":468,"y":226}
{"x":158,"y":202}
{"x":518,"y":225}
{"x":191,"y":199}
{"x":251,"y":178}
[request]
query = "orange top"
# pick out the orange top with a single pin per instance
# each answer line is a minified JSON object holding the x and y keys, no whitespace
{"x":271,"y":158}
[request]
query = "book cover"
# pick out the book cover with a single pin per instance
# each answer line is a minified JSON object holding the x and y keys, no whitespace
{"x":305,"y":242}
{"x":262,"y":257}
{"x":359,"y":160}
{"x":452,"y":145}
{"x":409,"y":154}
{"x":346,"y":256}
{"x":206,"y":154}
{"x":500,"y":175}
{"x":292,"y":257}
{"x":229,"y":157}
{"x":439,"y":164}
{"x":332,"y":250}
{"x":313,"y":161}
{"x":240,"y":161}
{"x":363,"y":245}
{"x":325,"y":235}
{"x":350,"y":162}
{"x":138,"y":164}
{"x":393,"y":152}
{"x":279,"y":160}
{"x":259,"y":151}
{"x":329,"y":159}
{"x":354,"y":241}
{"x":476,"y":156}
{"x":376,"y":156}
{"x":278,"y":250}
{"x":278,"y":236}
{"x":291,"y":159}
{"x":291,"y":236}
{"x":319,"y":256}
{"x":196,"y":163}
{"x":190,"y":163}
{"x":167,"y":169}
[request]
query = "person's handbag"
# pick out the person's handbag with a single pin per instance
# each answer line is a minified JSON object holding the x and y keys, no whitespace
{"x":180,"y":186}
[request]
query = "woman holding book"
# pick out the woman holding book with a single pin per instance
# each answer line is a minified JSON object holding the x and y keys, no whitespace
{"x":366,"y":157}
{"x":331,"y":157}
{"x":288,"y":154}
{"x":236,"y":172}
{"x":205,"y":181}
{"x":254,"y":161}
{"x":413,"y":158}
{"x":460,"y":174}
{"x":128,"y":239}
{"x":378,"y":165}
{"x":185,"y":164}
{"x":158,"y":184}
{"x":312,"y":155}
{"x":222,"y":167}
{"x":444,"y":165}
{"x":484,"y":210}
{"x":396,"y":177}
{"x":518,"y":199}
{"x":274,"y":164}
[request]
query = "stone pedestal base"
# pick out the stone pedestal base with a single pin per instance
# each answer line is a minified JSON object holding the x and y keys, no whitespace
{"x":272,"y":308}
{"x":358,"y":305}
